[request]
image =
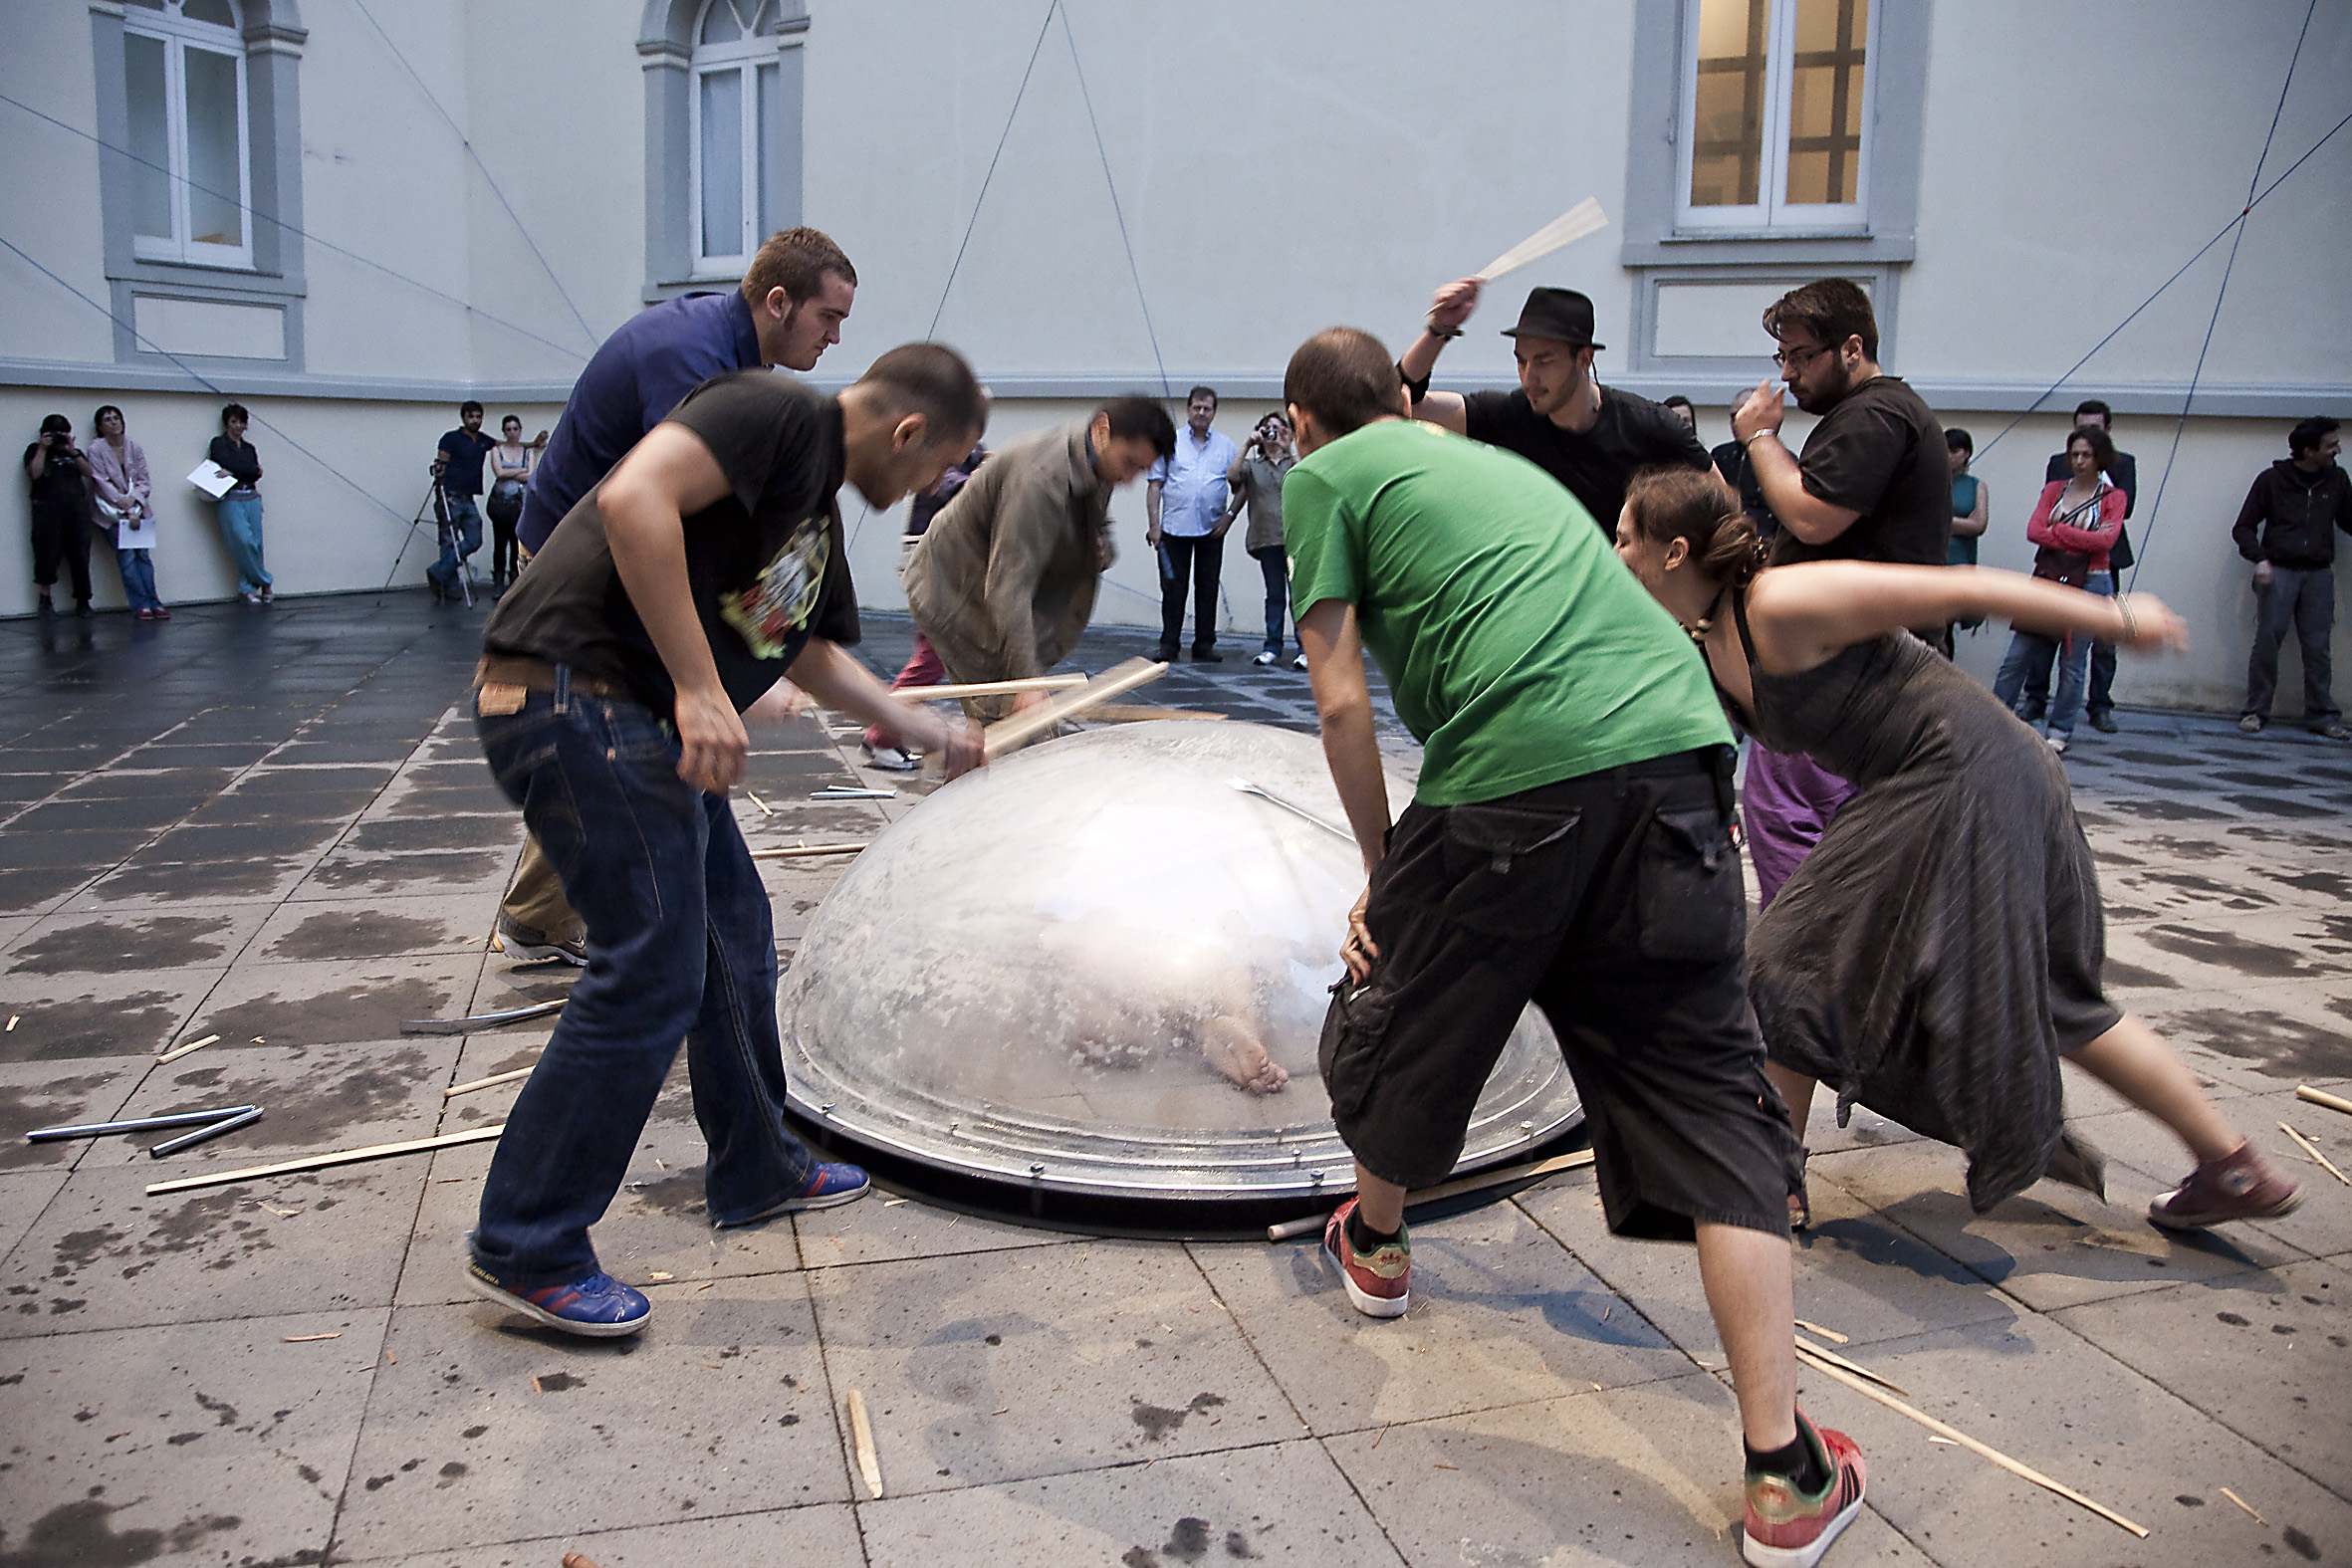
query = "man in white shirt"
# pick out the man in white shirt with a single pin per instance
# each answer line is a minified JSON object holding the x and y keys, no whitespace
{"x":1184,"y":509}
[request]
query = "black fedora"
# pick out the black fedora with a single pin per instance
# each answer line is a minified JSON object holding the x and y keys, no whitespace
{"x":1561,"y":315}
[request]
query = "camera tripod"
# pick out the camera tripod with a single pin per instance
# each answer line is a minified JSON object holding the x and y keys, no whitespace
{"x":436,"y":502}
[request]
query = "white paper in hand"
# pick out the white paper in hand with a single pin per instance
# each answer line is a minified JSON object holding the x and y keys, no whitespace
{"x":1570,"y":226}
{"x":214,"y":480}
{"x":138,"y":536}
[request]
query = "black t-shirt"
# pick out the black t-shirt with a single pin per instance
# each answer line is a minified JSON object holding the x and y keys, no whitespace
{"x":767,"y":567}
{"x":464,"y":450}
{"x":1731,"y":461}
{"x":1880,"y":453}
{"x":1631,"y":434}
{"x":60,"y":484}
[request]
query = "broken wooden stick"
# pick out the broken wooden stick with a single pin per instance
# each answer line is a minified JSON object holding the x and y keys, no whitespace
{"x":321,"y":1162}
{"x":1985,"y":1450}
{"x":490,"y":1082}
{"x":804,"y":851}
{"x":579,"y":1560}
{"x":1005,"y":734}
{"x":1851,"y":1366}
{"x":1028,"y":683}
{"x":2333,"y":1102}
{"x":2242,"y":1503}
{"x":2312,"y":1150}
{"x":1819,"y":1332}
{"x":480,"y":1021}
{"x":1290,"y":1228}
{"x":861,"y":1438}
{"x":176,"y":1053}
{"x":1570,"y":226}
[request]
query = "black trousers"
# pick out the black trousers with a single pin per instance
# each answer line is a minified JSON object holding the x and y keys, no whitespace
{"x":61,"y":536}
{"x":1200,"y":558}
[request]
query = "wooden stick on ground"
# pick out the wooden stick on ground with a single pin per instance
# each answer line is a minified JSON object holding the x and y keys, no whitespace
{"x":1290,"y":1228}
{"x":178,"y":1053}
{"x":2312,"y":1150}
{"x":2242,"y":1503}
{"x":1005,"y":734}
{"x":1855,"y":1367}
{"x":320,"y":1162}
{"x":492,"y":1081}
{"x":1985,"y":1450}
{"x":579,"y":1560}
{"x":805,"y":851}
{"x":2304,"y":1091}
{"x":1031,"y":683}
{"x":1819,"y":1332}
{"x":861,"y":1436}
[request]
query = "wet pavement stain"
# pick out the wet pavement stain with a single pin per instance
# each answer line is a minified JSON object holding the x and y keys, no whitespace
{"x":677,"y":1194}
{"x":2279,"y":1046}
{"x":433,"y":832}
{"x":1158,"y":1421}
{"x":2278,"y":805}
{"x":359,"y":934}
{"x":362,"y":1011}
{"x":193,"y":882}
{"x":392,"y":873}
{"x":2129,"y":977}
{"x":82,"y":1534}
{"x":91,"y":1025}
{"x":53,"y":1104}
{"x":317,"y":1108}
{"x":106,"y":947}
{"x":2258,"y":960}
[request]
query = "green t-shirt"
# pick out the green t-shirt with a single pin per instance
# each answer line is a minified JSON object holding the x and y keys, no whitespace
{"x":1517,"y":647}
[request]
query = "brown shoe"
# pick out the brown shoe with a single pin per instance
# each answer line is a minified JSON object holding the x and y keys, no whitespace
{"x":2242,"y":1186}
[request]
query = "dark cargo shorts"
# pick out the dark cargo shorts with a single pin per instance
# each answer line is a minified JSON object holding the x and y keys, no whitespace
{"x":1613,"y":902}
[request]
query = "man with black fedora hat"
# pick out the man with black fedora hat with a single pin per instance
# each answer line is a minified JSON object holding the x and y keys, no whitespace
{"x":1593,"y":439}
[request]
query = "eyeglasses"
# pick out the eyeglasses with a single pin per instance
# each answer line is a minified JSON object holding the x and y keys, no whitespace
{"x":1800,"y":355}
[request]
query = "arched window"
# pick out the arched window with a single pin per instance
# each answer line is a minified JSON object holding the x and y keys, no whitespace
{"x":736,"y":90}
{"x":191,"y":183}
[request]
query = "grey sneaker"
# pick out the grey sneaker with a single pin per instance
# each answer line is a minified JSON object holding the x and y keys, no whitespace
{"x":530,"y":945}
{"x":2333,"y":731}
{"x":889,"y":759}
{"x":2249,"y":723}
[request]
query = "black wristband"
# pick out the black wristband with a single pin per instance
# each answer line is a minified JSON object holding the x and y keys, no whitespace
{"x":1419,"y":389}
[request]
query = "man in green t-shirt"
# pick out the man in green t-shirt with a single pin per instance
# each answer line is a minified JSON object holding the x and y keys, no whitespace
{"x":1568,"y":844}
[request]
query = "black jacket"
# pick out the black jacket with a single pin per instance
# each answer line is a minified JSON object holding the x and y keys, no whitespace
{"x":2289,"y":518}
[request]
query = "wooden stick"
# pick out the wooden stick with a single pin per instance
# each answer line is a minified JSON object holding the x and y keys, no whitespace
{"x":2242,"y":1503}
{"x":1851,"y":1366}
{"x":1290,"y":1228}
{"x":305,"y":1339}
{"x":1005,"y":734}
{"x":490,"y":1082}
{"x":1819,"y":1332}
{"x":765,"y":808}
{"x":861,"y":1435}
{"x":2304,"y":1091}
{"x":174,"y":1055}
{"x":2312,"y":1150}
{"x":804,"y":851}
{"x":1142,"y":713}
{"x":1570,"y":226}
{"x":1031,"y":683}
{"x":579,"y":1560}
{"x":320,"y":1162}
{"x":1985,"y":1450}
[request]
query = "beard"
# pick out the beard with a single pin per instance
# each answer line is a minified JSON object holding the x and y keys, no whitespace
{"x":1829,"y":391}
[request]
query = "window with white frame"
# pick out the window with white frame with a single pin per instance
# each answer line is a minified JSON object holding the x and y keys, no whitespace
{"x":1775,"y":115}
{"x":191,"y":189}
{"x":736,"y":90}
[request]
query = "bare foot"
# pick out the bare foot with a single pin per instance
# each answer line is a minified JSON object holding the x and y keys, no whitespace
{"x":1233,"y":1049}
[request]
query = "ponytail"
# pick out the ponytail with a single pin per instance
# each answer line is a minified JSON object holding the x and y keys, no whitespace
{"x":1693,"y":505}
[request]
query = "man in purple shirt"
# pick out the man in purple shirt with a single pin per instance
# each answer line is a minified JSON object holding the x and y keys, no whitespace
{"x":789,"y":310}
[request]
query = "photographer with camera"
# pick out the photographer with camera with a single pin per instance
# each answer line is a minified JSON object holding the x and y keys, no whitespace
{"x":61,"y":477}
{"x":457,"y":470}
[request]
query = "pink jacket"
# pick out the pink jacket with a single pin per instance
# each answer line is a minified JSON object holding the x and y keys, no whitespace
{"x":122,"y":480}
{"x":2094,"y":542}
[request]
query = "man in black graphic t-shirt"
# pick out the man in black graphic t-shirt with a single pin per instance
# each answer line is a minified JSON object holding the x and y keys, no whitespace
{"x":1593,"y":439}
{"x":706,"y":566}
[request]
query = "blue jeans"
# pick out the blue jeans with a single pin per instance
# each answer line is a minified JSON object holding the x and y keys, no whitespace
{"x":2304,"y":601}
{"x":461,"y":536}
{"x":1276,"y":567}
{"x":680,"y":945}
{"x":240,"y":530}
{"x":2031,"y":651}
{"x":138,"y":578}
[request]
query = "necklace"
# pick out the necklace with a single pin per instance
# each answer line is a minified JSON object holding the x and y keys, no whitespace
{"x":1699,"y":628}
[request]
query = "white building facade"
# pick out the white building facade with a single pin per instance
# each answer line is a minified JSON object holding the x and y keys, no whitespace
{"x":350,"y":215}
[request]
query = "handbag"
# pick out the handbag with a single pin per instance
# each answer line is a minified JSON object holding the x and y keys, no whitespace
{"x":2071,"y":566}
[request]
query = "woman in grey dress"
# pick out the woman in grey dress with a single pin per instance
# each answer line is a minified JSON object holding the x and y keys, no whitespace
{"x":1940,"y":951}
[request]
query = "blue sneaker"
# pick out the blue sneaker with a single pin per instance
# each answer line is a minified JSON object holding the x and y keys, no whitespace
{"x":830,"y":1186}
{"x":599,"y":1306}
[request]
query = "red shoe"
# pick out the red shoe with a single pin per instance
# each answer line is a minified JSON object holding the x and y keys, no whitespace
{"x":1785,"y":1528}
{"x":2240,"y":1186}
{"x":1379,"y":1283}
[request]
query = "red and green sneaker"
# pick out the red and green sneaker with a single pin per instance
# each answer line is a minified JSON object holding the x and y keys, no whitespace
{"x":1786,"y":1529}
{"x":1379,"y":1282}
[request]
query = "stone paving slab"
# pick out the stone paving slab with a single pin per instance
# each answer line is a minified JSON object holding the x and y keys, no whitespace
{"x":815,"y":1533}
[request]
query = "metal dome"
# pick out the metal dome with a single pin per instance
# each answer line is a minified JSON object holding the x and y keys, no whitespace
{"x":1086,"y":969}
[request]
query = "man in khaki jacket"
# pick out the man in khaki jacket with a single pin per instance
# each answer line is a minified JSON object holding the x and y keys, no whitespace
{"x":1003,"y":582}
